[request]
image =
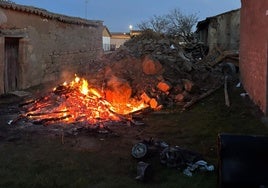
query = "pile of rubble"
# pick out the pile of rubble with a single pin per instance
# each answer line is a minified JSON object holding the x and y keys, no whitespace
{"x":159,"y":70}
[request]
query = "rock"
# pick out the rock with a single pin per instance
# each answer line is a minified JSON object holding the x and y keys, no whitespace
{"x":177,"y":89}
{"x":160,"y":78}
{"x":164,"y":86}
{"x":179,"y":98}
{"x":186,"y":95}
{"x":150,"y":66}
{"x":188,"y":85}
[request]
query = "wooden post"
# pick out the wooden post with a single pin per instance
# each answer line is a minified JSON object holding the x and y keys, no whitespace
{"x":227,"y":101}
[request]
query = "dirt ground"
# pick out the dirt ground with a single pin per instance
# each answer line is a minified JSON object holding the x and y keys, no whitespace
{"x":39,"y":156}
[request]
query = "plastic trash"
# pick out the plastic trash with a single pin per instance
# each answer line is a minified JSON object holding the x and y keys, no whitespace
{"x":243,"y":94}
{"x":187,"y":172}
{"x":10,"y":122}
{"x":238,"y":85}
{"x":201,"y":165}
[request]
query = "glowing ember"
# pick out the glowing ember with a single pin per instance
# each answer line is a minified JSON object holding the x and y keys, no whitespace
{"x":75,"y":102}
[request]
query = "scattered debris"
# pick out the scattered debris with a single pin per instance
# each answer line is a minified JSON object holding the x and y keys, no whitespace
{"x":172,"y":156}
{"x":198,"y":165}
{"x":216,"y":56}
{"x":144,"y":171}
{"x":177,"y":157}
{"x":22,"y":94}
{"x":243,"y":94}
{"x":198,"y":98}
{"x":139,"y":150}
{"x":238,"y":85}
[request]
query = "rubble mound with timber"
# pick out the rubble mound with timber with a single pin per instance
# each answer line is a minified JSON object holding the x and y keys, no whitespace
{"x":160,"y":70}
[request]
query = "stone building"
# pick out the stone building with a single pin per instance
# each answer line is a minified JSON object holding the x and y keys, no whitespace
{"x":37,"y":46}
{"x":254,"y":51}
{"x":221,"y":30}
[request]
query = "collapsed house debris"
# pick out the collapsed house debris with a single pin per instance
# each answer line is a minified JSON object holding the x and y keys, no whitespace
{"x":144,"y":171}
{"x":162,"y":71}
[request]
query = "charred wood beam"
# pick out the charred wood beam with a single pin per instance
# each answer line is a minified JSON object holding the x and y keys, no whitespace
{"x":45,"y":113}
{"x":46,"y":120}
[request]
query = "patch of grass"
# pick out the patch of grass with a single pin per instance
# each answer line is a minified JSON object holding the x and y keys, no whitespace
{"x":42,"y":161}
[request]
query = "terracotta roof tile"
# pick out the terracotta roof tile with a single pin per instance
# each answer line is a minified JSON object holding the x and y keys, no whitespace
{"x":49,"y":15}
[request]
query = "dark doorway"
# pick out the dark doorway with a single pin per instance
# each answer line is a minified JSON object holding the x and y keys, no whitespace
{"x":11,"y":67}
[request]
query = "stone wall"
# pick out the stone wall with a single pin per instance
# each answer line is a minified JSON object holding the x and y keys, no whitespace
{"x":221,"y":30}
{"x":52,"y":47}
{"x":253,"y":50}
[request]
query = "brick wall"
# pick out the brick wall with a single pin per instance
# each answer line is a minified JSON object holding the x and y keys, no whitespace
{"x":51,"y":47}
{"x":253,"y":50}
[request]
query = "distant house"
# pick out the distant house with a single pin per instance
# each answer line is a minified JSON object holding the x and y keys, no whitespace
{"x":106,"y":39}
{"x":133,"y":33}
{"x":221,"y":30}
{"x":254,"y":51}
{"x":119,"y":39}
{"x":37,"y":46}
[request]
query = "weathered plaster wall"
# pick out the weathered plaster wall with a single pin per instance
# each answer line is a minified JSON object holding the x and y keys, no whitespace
{"x":223,"y":31}
{"x":253,"y":50}
{"x":49,"y":49}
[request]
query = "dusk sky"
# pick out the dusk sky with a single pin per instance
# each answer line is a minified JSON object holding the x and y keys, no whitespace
{"x":117,"y":15}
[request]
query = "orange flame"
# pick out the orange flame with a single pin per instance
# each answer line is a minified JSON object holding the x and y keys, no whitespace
{"x":77,"y":102}
{"x":84,"y":87}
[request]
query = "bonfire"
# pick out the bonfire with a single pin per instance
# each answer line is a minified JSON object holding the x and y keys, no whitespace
{"x":76,"y":102}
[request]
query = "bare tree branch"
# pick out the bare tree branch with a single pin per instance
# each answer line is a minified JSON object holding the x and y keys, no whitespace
{"x":158,"y":24}
{"x":180,"y":24}
{"x":175,"y":24}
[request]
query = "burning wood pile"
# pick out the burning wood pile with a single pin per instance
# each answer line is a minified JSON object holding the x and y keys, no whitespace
{"x":76,"y":102}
